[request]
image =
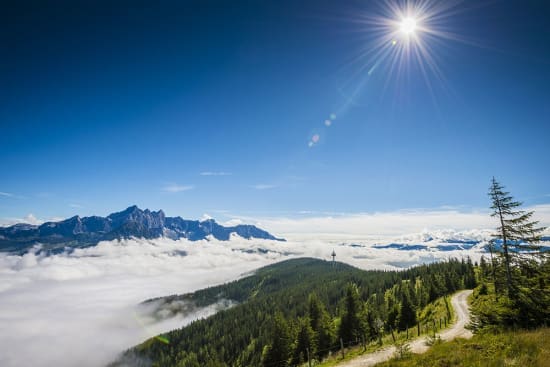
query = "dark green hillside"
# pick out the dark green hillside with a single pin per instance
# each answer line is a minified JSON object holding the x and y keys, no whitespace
{"x":305,"y":300}
{"x":293,"y":280}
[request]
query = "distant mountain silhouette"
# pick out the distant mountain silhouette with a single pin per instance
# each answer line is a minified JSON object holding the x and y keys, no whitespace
{"x":132,"y":222}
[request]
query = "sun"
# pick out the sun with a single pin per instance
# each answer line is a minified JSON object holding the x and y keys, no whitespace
{"x":407,"y":26}
{"x":401,"y":37}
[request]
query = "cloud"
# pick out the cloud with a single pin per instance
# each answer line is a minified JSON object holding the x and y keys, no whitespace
{"x":29,"y":218}
{"x":11,"y":195}
{"x":77,"y":206}
{"x":384,"y":225}
{"x":79,"y":309}
{"x":210,"y":173}
{"x":177,"y":188}
{"x":263,"y":186}
{"x":233,"y":222}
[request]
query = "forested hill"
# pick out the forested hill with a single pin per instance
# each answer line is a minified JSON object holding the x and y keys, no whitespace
{"x":325,"y":300}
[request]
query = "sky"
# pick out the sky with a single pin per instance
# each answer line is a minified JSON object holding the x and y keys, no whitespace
{"x":269,"y":108}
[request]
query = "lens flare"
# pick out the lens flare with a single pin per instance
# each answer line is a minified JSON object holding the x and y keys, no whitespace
{"x":399,"y":39}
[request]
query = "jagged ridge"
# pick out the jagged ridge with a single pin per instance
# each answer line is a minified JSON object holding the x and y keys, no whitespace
{"x":132,"y":222}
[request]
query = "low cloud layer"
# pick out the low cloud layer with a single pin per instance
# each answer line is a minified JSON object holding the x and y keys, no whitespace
{"x":29,"y":218}
{"x":79,"y":309}
{"x":385,"y":225}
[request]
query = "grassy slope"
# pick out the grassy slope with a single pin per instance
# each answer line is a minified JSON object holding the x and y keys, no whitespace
{"x":520,"y":348}
{"x":433,"y":311}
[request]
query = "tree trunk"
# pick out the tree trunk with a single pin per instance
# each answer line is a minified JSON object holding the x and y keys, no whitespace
{"x":506,"y":254}
{"x":493,"y":268}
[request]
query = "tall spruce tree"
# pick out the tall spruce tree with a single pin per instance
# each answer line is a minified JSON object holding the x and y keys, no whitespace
{"x":350,"y":324}
{"x":407,"y":313}
{"x":305,"y":343}
{"x":491,"y":246}
{"x":517,"y":232}
{"x":278,"y":352}
{"x":321,"y":324}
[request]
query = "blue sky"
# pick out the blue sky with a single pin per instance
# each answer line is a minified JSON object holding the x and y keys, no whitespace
{"x":209,"y":107}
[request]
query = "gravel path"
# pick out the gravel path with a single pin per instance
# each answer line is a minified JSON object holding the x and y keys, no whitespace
{"x":460,"y":305}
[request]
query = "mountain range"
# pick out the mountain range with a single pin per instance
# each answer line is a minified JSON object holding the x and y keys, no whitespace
{"x":133,"y":222}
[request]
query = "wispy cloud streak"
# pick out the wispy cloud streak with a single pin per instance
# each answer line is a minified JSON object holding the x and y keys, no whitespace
{"x":211,"y":173}
{"x":263,"y":186}
{"x":177,"y":188}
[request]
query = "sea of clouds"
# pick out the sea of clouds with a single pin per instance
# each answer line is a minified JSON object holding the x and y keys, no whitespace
{"x":80,"y":308}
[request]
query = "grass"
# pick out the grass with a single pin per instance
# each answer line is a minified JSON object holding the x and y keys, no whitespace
{"x":351,"y":353}
{"x":438,"y":310}
{"x":519,"y":348}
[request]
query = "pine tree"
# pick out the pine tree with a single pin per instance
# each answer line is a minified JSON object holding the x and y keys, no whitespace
{"x":516,"y":231}
{"x":278,"y":352}
{"x":372,"y":324}
{"x":470,"y":276}
{"x":407,"y":313}
{"x":350,"y":325}
{"x":305,"y":343}
{"x":321,"y":324}
{"x":484,"y":267}
{"x":491,"y":246}
{"x":314,"y":311}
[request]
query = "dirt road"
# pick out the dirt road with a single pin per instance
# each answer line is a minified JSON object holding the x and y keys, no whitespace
{"x":457,"y":330}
